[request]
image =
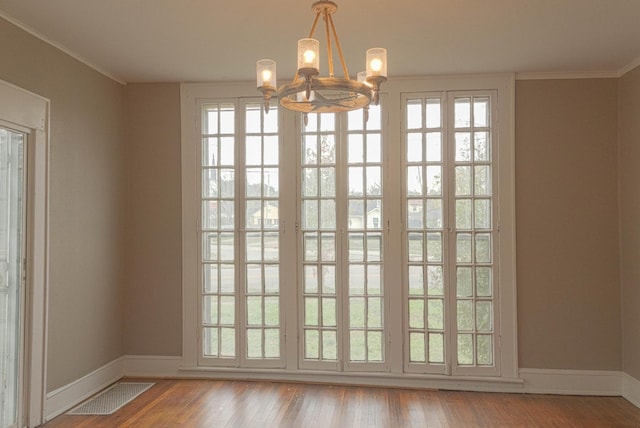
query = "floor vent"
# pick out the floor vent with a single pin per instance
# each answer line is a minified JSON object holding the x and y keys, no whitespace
{"x":111,"y":399}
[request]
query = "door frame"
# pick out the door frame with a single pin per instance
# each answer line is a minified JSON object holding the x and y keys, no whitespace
{"x":25,"y":109}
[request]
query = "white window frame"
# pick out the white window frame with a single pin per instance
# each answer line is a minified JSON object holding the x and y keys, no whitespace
{"x":504,"y":211}
{"x":29,"y":112}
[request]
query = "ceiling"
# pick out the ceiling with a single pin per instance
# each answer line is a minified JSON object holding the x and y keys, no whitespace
{"x":209,"y":40}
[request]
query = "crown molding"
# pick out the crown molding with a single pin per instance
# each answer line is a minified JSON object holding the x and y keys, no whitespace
{"x":567,"y":75}
{"x":627,"y":68}
{"x":58,"y":46}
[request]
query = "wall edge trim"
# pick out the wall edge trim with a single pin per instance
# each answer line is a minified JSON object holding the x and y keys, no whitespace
{"x":64,"y":398}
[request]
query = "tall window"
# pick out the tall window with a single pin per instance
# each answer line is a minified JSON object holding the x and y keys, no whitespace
{"x":449,"y":235}
{"x":240,"y":322}
{"x":352,"y":244}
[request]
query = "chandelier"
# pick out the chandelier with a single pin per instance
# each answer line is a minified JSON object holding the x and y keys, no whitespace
{"x":309,"y":93}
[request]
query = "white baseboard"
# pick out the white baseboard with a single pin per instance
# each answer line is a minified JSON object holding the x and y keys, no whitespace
{"x":533,"y":381}
{"x":66,"y":397}
{"x":572,"y":382}
{"x":631,"y":389}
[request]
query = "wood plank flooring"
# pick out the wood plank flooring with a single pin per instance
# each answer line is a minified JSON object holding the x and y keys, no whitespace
{"x":240,"y":404}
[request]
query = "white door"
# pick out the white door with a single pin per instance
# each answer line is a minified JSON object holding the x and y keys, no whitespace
{"x":12,"y":278}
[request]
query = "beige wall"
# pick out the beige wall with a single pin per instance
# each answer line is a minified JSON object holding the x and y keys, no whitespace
{"x":567,"y":224}
{"x":87,"y":202}
{"x":629,"y":140}
{"x":154,"y":286}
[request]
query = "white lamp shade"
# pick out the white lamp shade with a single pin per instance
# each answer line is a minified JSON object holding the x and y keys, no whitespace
{"x":377,"y":62}
{"x":308,"y":54}
{"x":266,"y":73}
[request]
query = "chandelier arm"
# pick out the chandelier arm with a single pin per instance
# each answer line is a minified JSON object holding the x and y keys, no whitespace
{"x":335,"y":37}
{"x":329,"y":51}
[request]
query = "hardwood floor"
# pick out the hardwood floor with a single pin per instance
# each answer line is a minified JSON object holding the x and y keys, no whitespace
{"x":240,"y":404}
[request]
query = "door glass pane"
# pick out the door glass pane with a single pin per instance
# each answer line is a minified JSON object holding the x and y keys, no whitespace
{"x":11,"y":256}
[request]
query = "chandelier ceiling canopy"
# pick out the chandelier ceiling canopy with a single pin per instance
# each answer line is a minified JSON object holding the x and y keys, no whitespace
{"x":310,"y":93}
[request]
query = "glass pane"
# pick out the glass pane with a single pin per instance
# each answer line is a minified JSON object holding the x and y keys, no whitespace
{"x":271,"y":120}
{"x":433,"y":113}
{"x":436,"y":348}
{"x":227,"y":310}
{"x":481,"y":111}
{"x":464,"y":286}
{"x":481,"y":146}
{"x":328,"y":247}
{"x":482,"y":180}
{"x":356,"y":181}
{"x":434,"y":180}
{"x":329,"y":279}
{"x":356,"y":214}
{"x":434,"y":213}
{"x":329,"y":345}
{"x":485,"y":350}
{"x":374,"y":312}
{"x":311,"y":311}
{"x":227,"y":119}
{"x":483,"y":248}
{"x":254,"y":279}
{"x":271,"y":279}
{"x":210,"y":215}
{"x":210,"y":309}
{"x":271,"y":311}
{"x":374,"y":181}
{"x":356,"y":148}
{"x":465,"y":315}
{"x":465,"y":349}
{"x":310,"y":279}
{"x":415,"y":213}
{"x":356,"y":312}
{"x":416,"y":347}
{"x":374,"y":281}
{"x":327,"y":182}
{"x":328,"y":312}
{"x":210,"y":183}
{"x":227,"y":342}
{"x":309,"y":182}
{"x":414,"y":181}
{"x":435,"y":312}
{"x":482,"y":214}
{"x":271,"y":149}
{"x":416,"y":248}
{"x":210,"y":278}
{"x":416,"y":313}
{"x":375,"y":117}
{"x":484,"y":318}
{"x":211,"y":119}
{"x":356,"y":247}
{"x":253,"y":216}
{"x":374,"y":345}
{"x":434,"y":147}
{"x":414,"y":114}
{"x":271,"y":246}
{"x":463,"y":248}
{"x":310,"y":152}
{"x":435,"y":283}
{"x":210,"y":246}
{"x":327,"y":214}
{"x":210,"y":151}
{"x":414,"y":147}
{"x":356,"y":280}
{"x":310,"y":247}
{"x":327,"y":149}
{"x":356,"y":345}
{"x":227,"y":279}
{"x":227,"y":216}
{"x":374,"y":247}
{"x":434,"y":247}
{"x":463,"y":181}
{"x":463,"y":146}
{"x":210,"y":342}
{"x":254,"y":246}
{"x":271,"y":183}
{"x":311,"y":344}
{"x":462,"y":113}
{"x":374,"y":148}
{"x":254,"y":343}
{"x":310,"y":214}
{"x":416,"y":281}
{"x":253,"y":148}
{"x":271,"y":342}
{"x":227,"y":148}
{"x":355,"y":119}
{"x":463,"y":214}
{"x":254,"y":310}
{"x":227,"y":183}
{"x":483,"y":282}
